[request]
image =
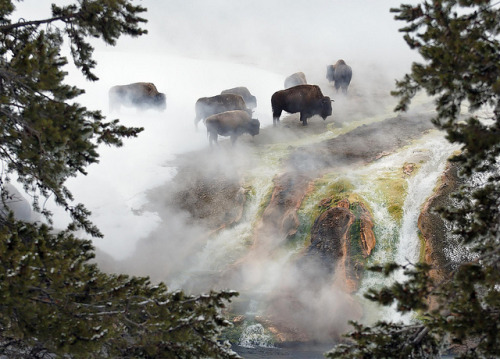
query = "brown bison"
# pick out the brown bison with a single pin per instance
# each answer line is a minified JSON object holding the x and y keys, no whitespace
{"x":340,"y":74}
{"x":208,"y":106}
{"x":306,"y":99}
{"x":298,"y":78}
{"x":231,"y":123}
{"x":249,"y":99}
{"x":142,"y":95}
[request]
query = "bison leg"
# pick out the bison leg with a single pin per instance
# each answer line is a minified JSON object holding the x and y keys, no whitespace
{"x":303,"y":118}
{"x":276,"y":117}
{"x":212,"y":137}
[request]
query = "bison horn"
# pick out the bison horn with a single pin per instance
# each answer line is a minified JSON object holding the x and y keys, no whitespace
{"x":332,"y":100}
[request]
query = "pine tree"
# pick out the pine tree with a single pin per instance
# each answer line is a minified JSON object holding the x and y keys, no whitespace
{"x":53,"y":299}
{"x":460,"y":46}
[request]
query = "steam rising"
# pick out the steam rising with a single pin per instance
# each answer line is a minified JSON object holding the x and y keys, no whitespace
{"x":196,"y":49}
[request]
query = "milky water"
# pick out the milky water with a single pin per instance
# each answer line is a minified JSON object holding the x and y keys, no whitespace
{"x":255,"y":335}
{"x":398,"y":241}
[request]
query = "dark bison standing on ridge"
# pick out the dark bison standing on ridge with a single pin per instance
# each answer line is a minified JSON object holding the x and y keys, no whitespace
{"x":142,"y":95}
{"x":306,"y":99}
{"x":208,"y":106}
{"x":231,"y":123}
{"x":298,"y":78}
{"x":249,"y":99}
{"x":340,"y":74}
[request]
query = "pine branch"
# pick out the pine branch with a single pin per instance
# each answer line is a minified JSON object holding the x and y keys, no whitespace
{"x":6,"y":28}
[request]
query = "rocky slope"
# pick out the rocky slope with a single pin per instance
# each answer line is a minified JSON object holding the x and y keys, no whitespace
{"x":432,"y":226}
{"x":209,"y":195}
{"x":341,"y":237}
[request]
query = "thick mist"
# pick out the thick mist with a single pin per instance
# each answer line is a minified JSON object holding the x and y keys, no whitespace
{"x":196,"y":49}
{"x":280,"y":35}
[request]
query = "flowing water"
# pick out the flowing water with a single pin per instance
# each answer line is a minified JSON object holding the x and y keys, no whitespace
{"x":395,"y":200}
{"x":381,"y":184}
{"x":398,"y":238}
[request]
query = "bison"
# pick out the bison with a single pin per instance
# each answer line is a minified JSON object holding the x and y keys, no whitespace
{"x":306,"y":99}
{"x":142,"y":95}
{"x":249,"y":99}
{"x":208,"y":106}
{"x":231,"y":123}
{"x":340,"y":74}
{"x":298,"y":78}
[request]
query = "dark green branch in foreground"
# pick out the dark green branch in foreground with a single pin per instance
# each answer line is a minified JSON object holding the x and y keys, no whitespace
{"x":460,"y":48}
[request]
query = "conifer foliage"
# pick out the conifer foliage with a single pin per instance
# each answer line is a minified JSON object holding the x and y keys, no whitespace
{"x":460,"y":46}
{"x":53,"y":300}
{"x":46,"y":136}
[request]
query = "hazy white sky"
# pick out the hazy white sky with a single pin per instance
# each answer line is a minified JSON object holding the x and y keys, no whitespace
{"x":280,"y":34}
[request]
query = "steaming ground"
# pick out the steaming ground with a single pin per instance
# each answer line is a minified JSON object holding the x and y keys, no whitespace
{"x":180,"y":251}
{"x":146,"y":232}
{"x":114,"y":189}
{"x":197,"y":48}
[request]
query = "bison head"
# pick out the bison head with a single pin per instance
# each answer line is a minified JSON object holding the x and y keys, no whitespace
{"x":160,"y":101}
{"x":254,"y":127}
{"x":252,"y":101}
{"x":326,"y":107}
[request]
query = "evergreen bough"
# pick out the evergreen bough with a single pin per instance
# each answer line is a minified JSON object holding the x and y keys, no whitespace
{"x":460,"y":46}
{"x":53,"y":300}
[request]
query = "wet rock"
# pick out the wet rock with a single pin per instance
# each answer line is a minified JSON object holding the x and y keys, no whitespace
{"x":329,"y":236}
{"x":238,"y":319}
{"x":279,"y":219}
{"x":282,"y":331}
{"x":305,"y":164}
{"x":432,"y":226}
{"x":366,"y":234}
{"x":341,"y":238}
{"x":216,"y":202}
{"x":363,"y":144}
{"x":208,"y":187}
{"x":408,"y":168}
{"x":309,"y":306}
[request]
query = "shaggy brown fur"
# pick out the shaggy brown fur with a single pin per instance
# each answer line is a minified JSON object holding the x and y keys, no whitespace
{"x":249,"y":99}
{"x":306,"y":99}
{"x":142,"y":95}
{"x":340,"y":74}
{"x":231,"y":123}
{"x":208,"y":106}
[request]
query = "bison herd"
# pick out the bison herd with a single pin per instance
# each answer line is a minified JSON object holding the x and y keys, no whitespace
{"x":230,"y":113}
